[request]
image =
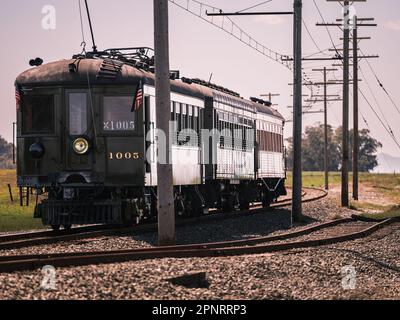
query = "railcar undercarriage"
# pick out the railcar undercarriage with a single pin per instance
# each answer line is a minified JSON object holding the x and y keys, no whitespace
{"x":68,"y":205}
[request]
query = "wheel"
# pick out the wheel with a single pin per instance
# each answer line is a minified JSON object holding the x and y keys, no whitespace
{"x":266,"y":200}
{"x":244,"y":205}
{"x":227,"y":203}
{"x":55,"y":227}
{"x":67,"y":226}
{"x":266,"y":203}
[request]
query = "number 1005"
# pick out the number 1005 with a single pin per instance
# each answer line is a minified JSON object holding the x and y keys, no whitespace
{"x":123,"y":155}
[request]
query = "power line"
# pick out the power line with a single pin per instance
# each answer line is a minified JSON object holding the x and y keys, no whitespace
{"x":388,"y":129}
{"x":326,"y":27}
{"x":257,"y":5}
{"x":376,"y":100}
{"x":312,"y":38}
{"x":379,"y":118}
{"x":226,"y":24}
{"x":382,"y":86}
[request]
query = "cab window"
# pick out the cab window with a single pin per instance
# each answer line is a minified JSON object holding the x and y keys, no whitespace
{"x":38,"y":114}
{"x":77,"y":113}
{"x":117,"y":113}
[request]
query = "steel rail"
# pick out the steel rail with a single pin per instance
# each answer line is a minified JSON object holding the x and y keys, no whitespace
{"x":48,"y":237}
{"x":30,"y":262}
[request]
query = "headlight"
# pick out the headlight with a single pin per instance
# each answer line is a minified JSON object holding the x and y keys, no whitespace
{"x":80,"y":146}
{"x":36,"y":150}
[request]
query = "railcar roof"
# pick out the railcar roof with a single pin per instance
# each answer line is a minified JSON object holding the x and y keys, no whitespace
{"x":101,"y":71}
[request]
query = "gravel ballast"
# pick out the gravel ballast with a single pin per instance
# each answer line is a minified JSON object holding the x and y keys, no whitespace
{"x":314,"y":273}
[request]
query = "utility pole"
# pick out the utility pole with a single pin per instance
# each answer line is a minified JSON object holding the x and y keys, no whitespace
{"x":345,"y":125}
{"x":270,"y":95}
{"x":356,"y":136}
{"x":356,"y":57}
{"x":325,"y":100}
{"x":165,"y":191}
{"x":356,"y":143}
{"x":297,"y":112}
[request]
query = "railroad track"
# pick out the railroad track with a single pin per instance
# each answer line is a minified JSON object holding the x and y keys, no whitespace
{"x":15,"y":241}
{"x":338,"y":231}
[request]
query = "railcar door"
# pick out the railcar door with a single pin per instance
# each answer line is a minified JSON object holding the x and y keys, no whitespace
{"x":39,"y":120}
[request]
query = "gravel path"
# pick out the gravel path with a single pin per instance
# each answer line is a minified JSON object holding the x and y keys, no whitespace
{"x":297,"y":274}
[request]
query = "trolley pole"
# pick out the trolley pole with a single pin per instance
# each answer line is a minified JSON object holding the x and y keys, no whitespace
{"x":297,"y":113}
{"x":165,"y":206}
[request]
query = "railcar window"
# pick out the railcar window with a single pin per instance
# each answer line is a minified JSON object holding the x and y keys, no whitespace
{"x":77,"y":113}
{"x":38,"y":114}
{"x":117,"y":113}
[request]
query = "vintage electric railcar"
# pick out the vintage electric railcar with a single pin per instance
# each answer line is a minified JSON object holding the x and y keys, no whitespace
{"x":80,"y":142}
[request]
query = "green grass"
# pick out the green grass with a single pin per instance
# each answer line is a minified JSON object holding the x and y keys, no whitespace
{"x":390,"y":213}
{"x":388,"y":185}
{"x":12,"y":216}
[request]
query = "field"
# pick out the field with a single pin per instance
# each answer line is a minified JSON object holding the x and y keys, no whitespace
{"x":379,"y":193}
{"x":382,"y":200}
{"x":12,"y":216}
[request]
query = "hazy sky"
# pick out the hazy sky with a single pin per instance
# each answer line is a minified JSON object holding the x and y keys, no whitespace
{"x":198,"y":49}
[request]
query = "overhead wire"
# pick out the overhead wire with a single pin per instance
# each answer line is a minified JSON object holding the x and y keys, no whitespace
{"x":255,"y":6}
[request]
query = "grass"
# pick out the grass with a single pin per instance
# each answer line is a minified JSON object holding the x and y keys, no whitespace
{"x":12,"y":216}
{"x":386,"y":185}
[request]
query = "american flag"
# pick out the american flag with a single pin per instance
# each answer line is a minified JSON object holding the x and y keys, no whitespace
{"x":137,"y":103}
{"x":17,"y":97}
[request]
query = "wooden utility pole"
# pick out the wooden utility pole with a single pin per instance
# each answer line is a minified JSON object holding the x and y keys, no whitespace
{"x":297,"y":111}
{"x":356,"y":143}
{"x":270,"y":95}
{"x":356,"y":136}
{"x":325,"y":100}
{"x":165,"y":195}
{"x":345,"y":125}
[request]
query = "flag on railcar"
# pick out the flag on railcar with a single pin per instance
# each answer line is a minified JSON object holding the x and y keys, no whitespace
{"x":18,"y":96}
{"x":138,"y":101}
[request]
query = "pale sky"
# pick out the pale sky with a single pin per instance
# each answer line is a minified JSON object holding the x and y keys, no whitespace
{"x":198,"y":49}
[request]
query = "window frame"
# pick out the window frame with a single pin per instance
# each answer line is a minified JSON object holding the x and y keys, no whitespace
{"x":118,"y":132}
{"x":88,"y":114}
{"x":55,"y":116}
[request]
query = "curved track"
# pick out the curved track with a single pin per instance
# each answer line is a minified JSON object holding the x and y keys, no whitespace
{"x":21,"y":240}
{"x":228,"y":248}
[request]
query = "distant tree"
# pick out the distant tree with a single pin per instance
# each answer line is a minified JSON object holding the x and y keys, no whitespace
{"x":313,"y":149}
{"x":367,"y":158}
{"x":6,"y":150}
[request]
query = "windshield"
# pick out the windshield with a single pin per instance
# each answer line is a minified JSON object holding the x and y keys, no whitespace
{"x":38,"y":114}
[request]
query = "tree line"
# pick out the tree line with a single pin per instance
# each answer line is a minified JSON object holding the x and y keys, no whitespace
{"x":313,"y":149}
{"x":6,"y":151}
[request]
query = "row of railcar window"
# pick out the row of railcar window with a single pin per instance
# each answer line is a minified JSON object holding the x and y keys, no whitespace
{"x":236,"y":132}
{"x":186,"y":117}
{"x":270,"y":141}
